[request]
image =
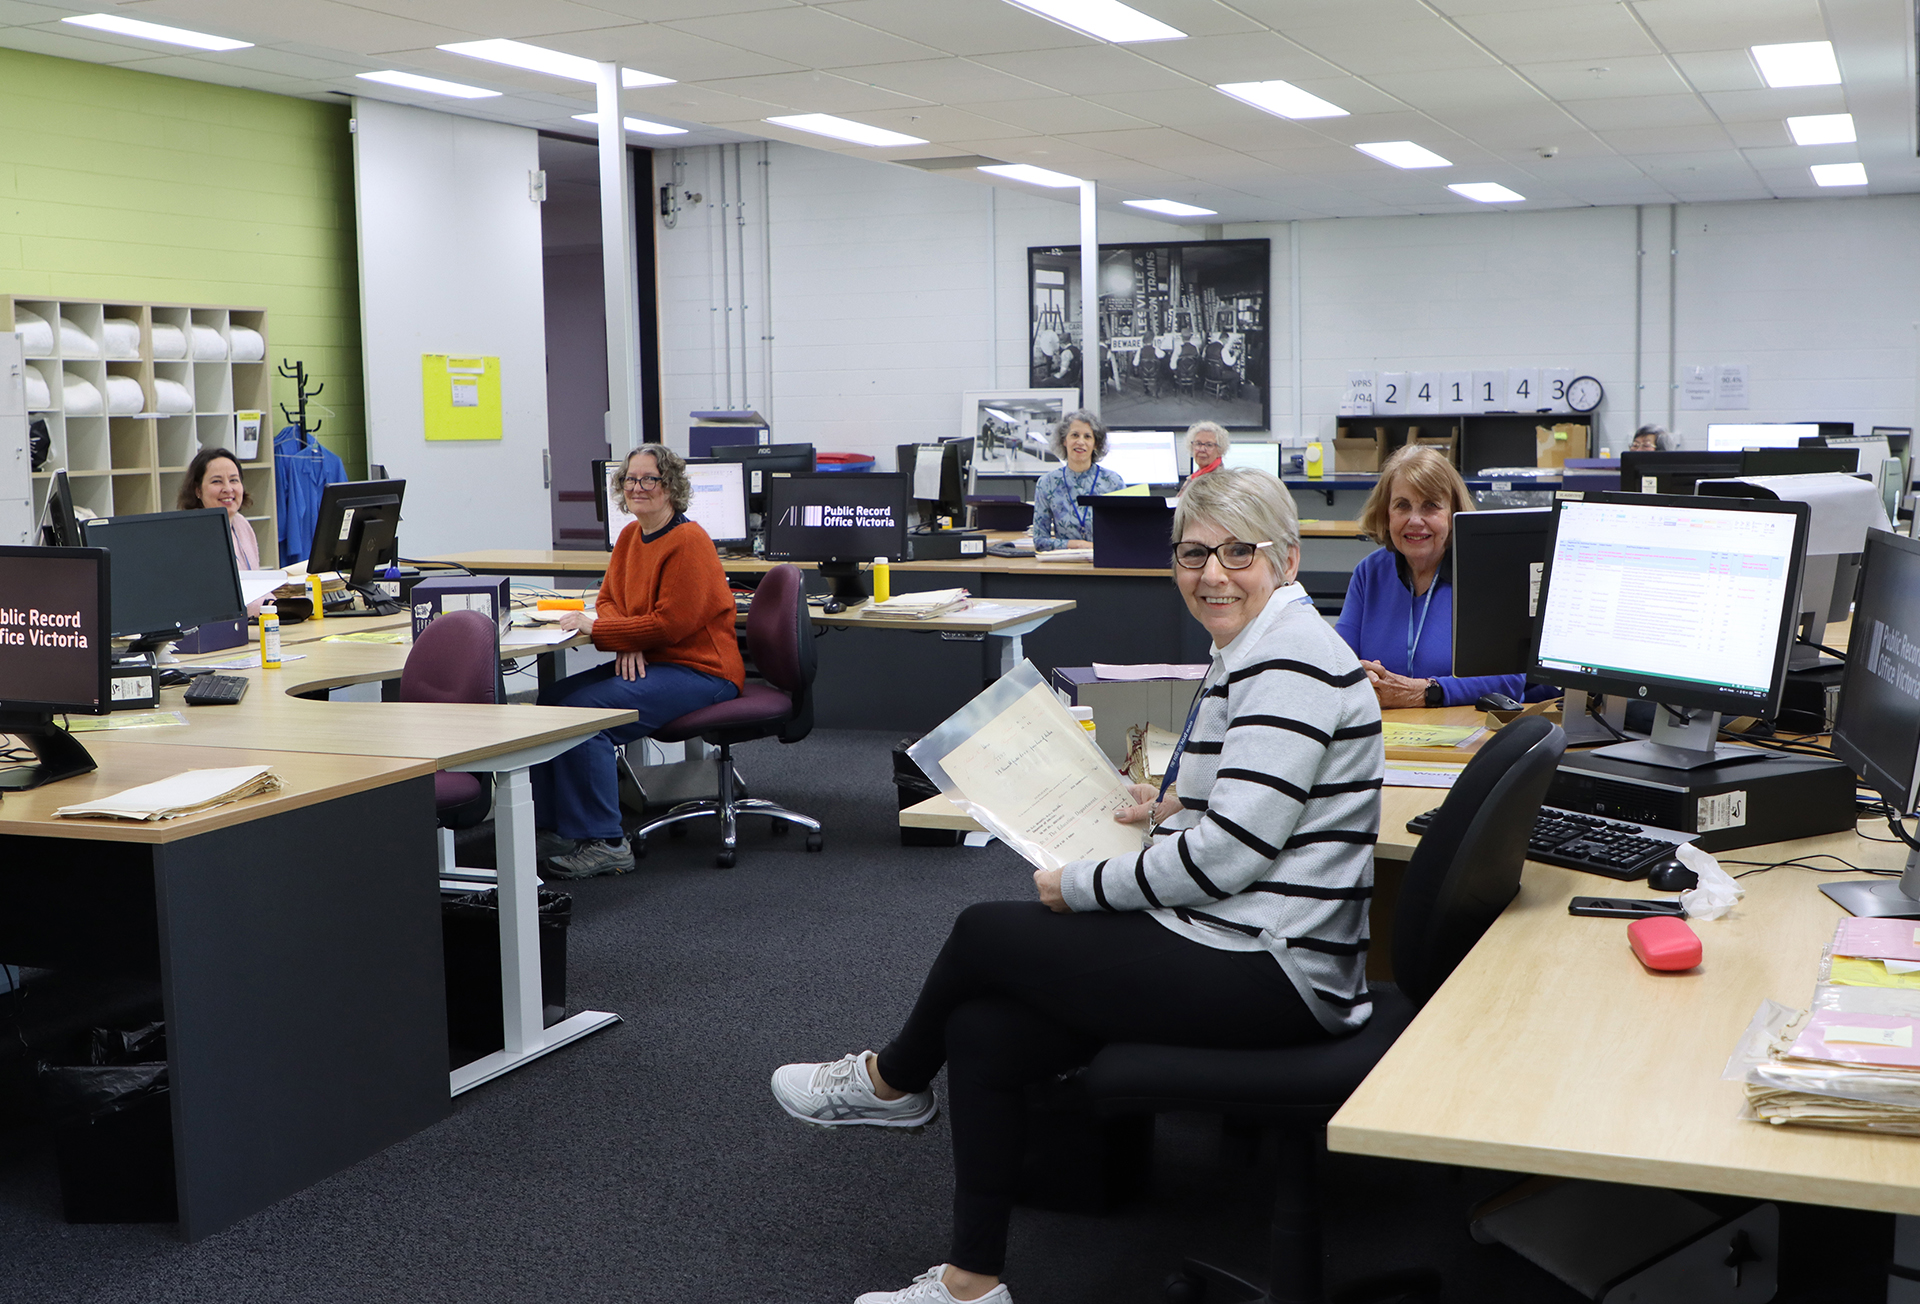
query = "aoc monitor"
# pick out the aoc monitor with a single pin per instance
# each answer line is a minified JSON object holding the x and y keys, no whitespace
{"x":1497,"y":561}
{"x":764,"y":461}
{"x":838,"y":520}
{"x":172,"y":572}
{"x":357,"y":529}
{"x":55,"y":654}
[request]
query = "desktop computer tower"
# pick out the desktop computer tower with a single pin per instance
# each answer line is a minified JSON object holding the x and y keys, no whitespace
{"x":1744,"y":803}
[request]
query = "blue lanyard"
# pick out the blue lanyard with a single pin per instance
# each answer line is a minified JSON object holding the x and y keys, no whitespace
{"x":1180,"y":748}
{"x":1414,"y":631}
{"x":1075,"y":492}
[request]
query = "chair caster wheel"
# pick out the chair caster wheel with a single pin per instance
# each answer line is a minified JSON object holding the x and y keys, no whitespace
{"x":639,"y":846}
{"x":1185,"y":1288}
{"x":724,"y":860}
{"x":815,"y":842}
{"x":779,"y":827}
{"x":677,"y":830}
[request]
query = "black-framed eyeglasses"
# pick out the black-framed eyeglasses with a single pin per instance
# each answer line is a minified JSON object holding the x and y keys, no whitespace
{"x":1233,"y":554}
{"x":644,"y":483}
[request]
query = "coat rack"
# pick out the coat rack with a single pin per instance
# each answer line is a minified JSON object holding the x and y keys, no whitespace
{"x":299,"y":416}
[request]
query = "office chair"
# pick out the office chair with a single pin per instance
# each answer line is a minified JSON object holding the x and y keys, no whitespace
{"x":455,"y":659}
{"x":1464,"y":872}
{"x":780,"y":642}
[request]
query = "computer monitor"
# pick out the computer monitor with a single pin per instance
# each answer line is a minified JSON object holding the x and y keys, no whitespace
{"x":55,"y":654}
{"x":764,"y":460}
{"x":172,"y":573}
{"x":59,"y":524}
{"x":1899,"y":444}
{"x":1876,"y":730}
{"x":1675,"y":471}
{"x":1815,"y":460}
{"x":1143,"y":456}
{"x":1728,"y":438}
{"x":357,"y":529}
{"x":1261,"y":457}
{"x":944,"y":468}
{"x":1497,"y":560}
{"x":1681,"y":601}
{"x":718,"y":502}
{"x":840,"y":521}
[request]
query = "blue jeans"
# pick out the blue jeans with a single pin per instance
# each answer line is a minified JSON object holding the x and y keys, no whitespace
{"x":577,"y":794}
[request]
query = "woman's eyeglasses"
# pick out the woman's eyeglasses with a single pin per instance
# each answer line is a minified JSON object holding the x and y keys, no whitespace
{"x":643,"y":483}
{"x":1233,"y":554}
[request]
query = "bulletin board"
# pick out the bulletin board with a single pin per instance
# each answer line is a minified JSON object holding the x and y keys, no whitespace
{"x":460,"y":396}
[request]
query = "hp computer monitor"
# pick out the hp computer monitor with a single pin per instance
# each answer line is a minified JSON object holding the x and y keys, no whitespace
{"x":55,"y":652}
{"x":1143,"y":456}
{"x":357,"y":529}
{"x":59,"y":524}
{"x":1260,"y":457}
{"x":172,"y":572}
{"x":838,"y":520}
{"x":1681,"y":601}
{"x":1724,"y":437}
{"x":1676,"y":471}
{"x":766,"y":460}
{"x":1497,"y":561}
{"x":717,"y":501}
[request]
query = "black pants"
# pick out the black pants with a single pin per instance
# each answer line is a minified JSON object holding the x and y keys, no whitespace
{"x":1019,"y":994}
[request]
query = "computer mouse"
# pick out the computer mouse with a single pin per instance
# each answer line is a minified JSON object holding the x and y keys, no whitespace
{"x":832,"y":606}
{"x":1497,"y":702}
{"x":1672,"y":876}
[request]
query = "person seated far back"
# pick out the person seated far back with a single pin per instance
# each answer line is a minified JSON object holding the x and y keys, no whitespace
{"x":213,"y":479}
{"x":1398,"y":615}
{"x":1060,"y":519}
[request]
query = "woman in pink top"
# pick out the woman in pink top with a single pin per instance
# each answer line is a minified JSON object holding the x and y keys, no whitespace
{"x":213,"y":480}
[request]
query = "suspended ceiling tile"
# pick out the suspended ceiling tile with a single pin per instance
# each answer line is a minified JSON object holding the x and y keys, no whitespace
{"x":1186,"y":105}
{"x":1776,"y":106}
{"x":523,"y":20}
{"x":1245,"y":56}
{"x":23,"y":12}
{"x":813,"y":92}
{"x":668,"y":52}
{"x":1701,"y":164}
{"x":1089,"y":70}
{"x":1788,"y":156}
{"x":811,"y":37}
{"x":1588,"y":31}
{"x":1466,"y":8}
{"x":1578,"y":80}
{"x":1260,"y":131}
{"x":1640,"y":141}
{"x":1318,"y":161}
{"x":1547,"y":125}
{"x":1719,"y":70}
{"x":1197,"y":18}
{"x":663,"y":11}
{"x":1150,"y":144}
{"x":935,"y":122}
{"x":1350,"y":93}
{"x":1405,"y":125}
{"x":1759,"y":135}
{"x":1457,"y":89}
{"x":56,"y":41}
{"x":1409,"y":45}
{"x":963,"y":27}
{"x":1577,"y":173}
{"x":1717,"y":24}
{"x":1062,"y":113}
{"x":1642,"y":111}
{"x":323,"y":23}
{"x":696,"y":103}
{"x":950,"y":81}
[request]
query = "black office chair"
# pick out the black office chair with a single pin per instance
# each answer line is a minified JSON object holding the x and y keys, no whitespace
{"x":1463,"y":873}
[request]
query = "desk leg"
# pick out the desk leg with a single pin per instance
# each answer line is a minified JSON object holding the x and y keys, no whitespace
{"x":1011,"y":651}
{"x":520,"y":992}
{"x":1903,"y":1273}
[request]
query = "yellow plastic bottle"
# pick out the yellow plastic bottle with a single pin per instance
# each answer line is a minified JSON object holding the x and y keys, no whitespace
{"x":313,"y":581}
{"x":1316,"y":461}
{"x":882,"y":579}
{"x":269,"y":637}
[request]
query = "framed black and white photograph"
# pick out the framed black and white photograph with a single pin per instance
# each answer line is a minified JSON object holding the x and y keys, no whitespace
{"x":1012,"y":428}
{"x":1182,"y":336}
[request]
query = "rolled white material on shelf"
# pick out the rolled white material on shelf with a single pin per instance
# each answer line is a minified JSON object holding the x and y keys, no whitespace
{"x":39,"y":393}
{"x":79,"y":397}
{"x":248,"y":346}
{"x":36,"y":335}
{"x":169,"y":343}
{"x":171,"y":396}
{"x":207,"y":344}
{"x":76,"y":343}
{"x":123,"y":337}
{"x":124,"y":396}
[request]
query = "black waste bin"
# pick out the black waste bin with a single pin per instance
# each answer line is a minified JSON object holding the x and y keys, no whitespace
{"x":470,"y":941}
{"x":113,"y":1128}
{"x":911,"y":786}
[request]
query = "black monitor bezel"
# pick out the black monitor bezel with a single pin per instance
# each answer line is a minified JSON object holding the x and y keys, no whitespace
{"x":103,"y":652}
{"x":1472,"y":618}
{"x":896,"y":553}
{"x":1680,"y":692}
{"x":746,"y":502}
{"x":334,"y":499}
{"x":58,"y":514}
{"x":174,"y":629}
{"x":1904,"y":795}
{"x":1676,"y":462}
{"x":769,"y":459}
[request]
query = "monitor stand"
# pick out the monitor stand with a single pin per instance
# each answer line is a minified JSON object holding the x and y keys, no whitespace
{"x":61,"y":755}
{"x":848,"y":584}
{"x":1578,"y":724}
{"x":1676,"y":746}
{"x":1881,"y":898}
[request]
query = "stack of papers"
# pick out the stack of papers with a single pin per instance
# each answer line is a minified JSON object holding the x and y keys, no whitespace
{"x":916,"y":606}
{"x":187,"y":793}
{"x":1395,"y":734}
{"x":1138,"y":673}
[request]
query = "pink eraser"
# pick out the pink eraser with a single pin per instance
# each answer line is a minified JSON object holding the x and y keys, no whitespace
{"x":1664,"y":942}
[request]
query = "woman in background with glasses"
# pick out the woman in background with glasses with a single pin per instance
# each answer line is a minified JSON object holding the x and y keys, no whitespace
{"x":666,"y":614}
{"x":1241,"y":923}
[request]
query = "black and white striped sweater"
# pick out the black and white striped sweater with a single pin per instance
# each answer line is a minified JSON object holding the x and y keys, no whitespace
{"x":1280,"y":785}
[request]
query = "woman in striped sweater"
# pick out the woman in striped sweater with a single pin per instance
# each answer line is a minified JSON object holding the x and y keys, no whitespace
{"x":1242,"y":924}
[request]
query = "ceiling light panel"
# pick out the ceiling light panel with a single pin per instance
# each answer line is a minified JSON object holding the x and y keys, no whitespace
{"x":1486,"y":192}
{"x":1803,"y":63}
{"x":858,"y":133}
{"x":640,"y":125}
{"x":535,"y":58}
{"x":1404,"y":154}
{"x":1032,"y":175}
{"x":1171,"y":207}
{"x":1839,"y":174}
{"x":122,"y":26}
{"x":1822,"y":129}
{"x":1282,"y":99}
{"x":1107,"y":19}
{"x":431,"y":85}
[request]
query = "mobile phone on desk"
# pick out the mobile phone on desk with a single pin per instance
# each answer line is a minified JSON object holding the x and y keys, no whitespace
{"x":1624,"y":907}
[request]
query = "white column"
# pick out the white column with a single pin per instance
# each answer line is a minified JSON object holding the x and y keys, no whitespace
{"x":1089,"y":341}
{"x":622,"y":289}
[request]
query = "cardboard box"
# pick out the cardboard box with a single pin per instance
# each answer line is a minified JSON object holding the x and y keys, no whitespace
{"x":1118,"y":705}
{"x":1361,"y":455}
{"x":435,"y":596}
{"x":1553,"y":445}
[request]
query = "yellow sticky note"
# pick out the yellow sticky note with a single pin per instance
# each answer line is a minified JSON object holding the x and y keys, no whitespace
{"x":1852,"y":971}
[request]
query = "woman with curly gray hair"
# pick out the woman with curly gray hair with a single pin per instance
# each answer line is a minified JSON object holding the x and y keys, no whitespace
{"x":1059,"y":520}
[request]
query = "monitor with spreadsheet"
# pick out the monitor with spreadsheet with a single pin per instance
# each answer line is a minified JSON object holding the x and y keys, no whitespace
{"x":55,"y":654}
{"x":1143,"y":456}
{"x":717,"y":501}
{"x":764,"y":460}
{"x":1727,"y":438}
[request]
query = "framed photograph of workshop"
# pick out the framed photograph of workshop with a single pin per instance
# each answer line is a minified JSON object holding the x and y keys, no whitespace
{"x":1183,"y":331}
{"x":1012,"y":428}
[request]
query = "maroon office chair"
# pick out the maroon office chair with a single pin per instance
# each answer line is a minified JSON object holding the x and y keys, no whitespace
{"x":780,"y":643}
{"x":455,"y":659}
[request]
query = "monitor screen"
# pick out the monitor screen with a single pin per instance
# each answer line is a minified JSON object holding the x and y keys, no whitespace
{"x":348,"y":511}
{"x":54,"y":645}
{"x":837,"y":517}
{"x":1261,"y":457}
{"x":1674,"y":472}
{"x":1143,"y":456}
{"x":1815,"y":460}
{"x":1686,"y":601}
{"x":1497,"y":561}
{"x":1877,"y":728}
{"x":718,"y":502}
{"x":763,"y":460}
{"x":172,"y":571}
{"x":1723,"y":438}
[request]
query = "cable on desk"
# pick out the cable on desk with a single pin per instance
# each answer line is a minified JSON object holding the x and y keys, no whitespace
{"x":1832,"y":652}
{"x":1800,"y":862}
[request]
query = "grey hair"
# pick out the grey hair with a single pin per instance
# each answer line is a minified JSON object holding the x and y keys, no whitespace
{"x":1659,"y":434}
{"x":669,"y":465}
{"x":1214,"y":428}
{"x":1249,"y":504}
{"x":1058,"y":441}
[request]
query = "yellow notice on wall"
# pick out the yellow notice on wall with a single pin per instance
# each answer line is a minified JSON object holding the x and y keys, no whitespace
{"x":460,"y":396}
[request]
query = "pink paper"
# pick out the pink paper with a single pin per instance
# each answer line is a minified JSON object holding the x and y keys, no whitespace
{"x":1812,"y":1043}
{"x":1878,"y":939}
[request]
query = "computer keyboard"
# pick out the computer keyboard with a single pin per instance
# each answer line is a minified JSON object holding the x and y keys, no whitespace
{"x":1615,"y":848}
{"x":216,"y":690}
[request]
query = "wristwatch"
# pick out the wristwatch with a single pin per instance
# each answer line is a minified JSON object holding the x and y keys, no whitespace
{"x":1436,"y":696}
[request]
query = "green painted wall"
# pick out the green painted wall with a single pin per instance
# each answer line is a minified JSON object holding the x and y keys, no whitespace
{"x":128,"y":185}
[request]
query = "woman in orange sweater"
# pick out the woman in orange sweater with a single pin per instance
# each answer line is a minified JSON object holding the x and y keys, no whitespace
{"x":666,"y":614}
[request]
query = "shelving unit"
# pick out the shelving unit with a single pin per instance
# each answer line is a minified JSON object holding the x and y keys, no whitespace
{"x":1480,"y":439}
{"x":124,"y":463}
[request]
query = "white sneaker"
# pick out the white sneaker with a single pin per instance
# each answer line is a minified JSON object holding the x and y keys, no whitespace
{"x":927,"y":1288}
{"x":841,"y":1093}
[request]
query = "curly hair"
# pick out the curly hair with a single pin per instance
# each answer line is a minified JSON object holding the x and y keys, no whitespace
{"x":668,"y":465}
